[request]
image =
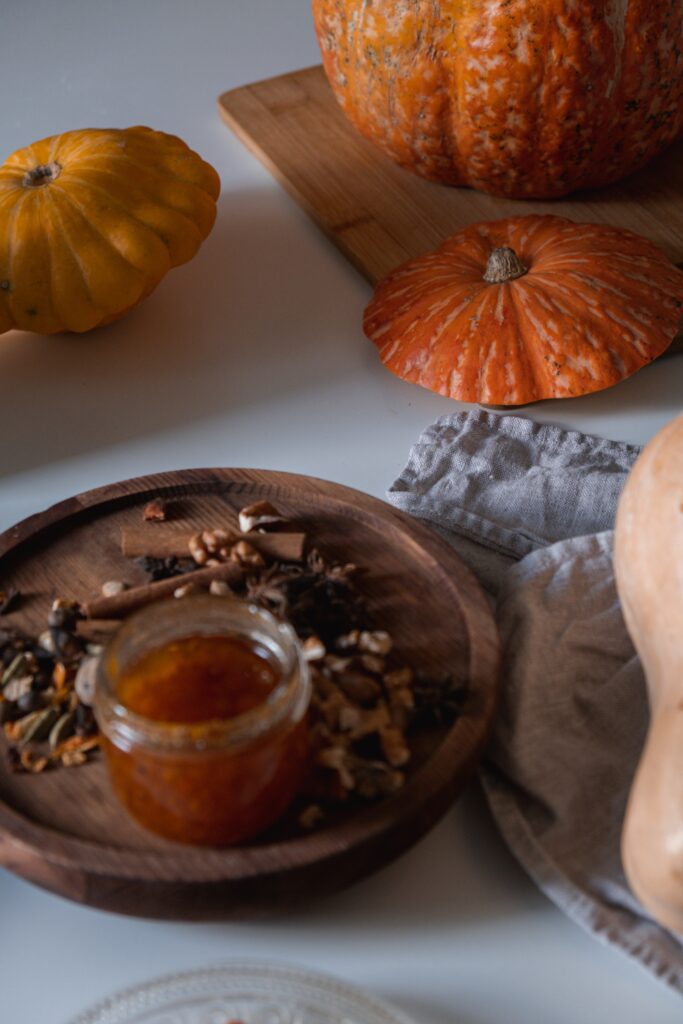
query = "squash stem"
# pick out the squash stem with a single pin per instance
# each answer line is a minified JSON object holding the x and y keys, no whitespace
{"x":41,"y":174}
{"x":503,"y":265}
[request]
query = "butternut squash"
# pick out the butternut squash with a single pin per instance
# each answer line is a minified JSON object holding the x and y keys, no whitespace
{"x":648,"y":559}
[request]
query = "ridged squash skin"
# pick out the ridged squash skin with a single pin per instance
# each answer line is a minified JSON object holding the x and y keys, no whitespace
{"x":92,"y":220}
{"x":585,"y":306}
{"x":513,"y":97}
{"x":648,"y":560}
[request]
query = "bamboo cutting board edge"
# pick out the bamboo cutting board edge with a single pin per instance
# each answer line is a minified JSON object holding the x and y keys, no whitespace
{"x":236,"y":108}
{"x":380,"y":215}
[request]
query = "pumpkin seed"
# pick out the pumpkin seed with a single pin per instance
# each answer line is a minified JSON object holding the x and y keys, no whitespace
{"x":46,"y":641}
{"x":40,"y":727}
{"x":16,"y":667}
{"x":85,"y":682}
{"x":17,"y":688}
{"x":20,"y":727}
{"x":62,"y":729}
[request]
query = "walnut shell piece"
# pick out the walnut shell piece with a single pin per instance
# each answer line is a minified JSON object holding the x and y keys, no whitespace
{"x":260,"y":516}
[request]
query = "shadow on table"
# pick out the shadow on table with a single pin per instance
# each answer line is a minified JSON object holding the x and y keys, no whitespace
{"x":420,"y":1010}
{"x":249,"y":320}
{"x":460,"y":873}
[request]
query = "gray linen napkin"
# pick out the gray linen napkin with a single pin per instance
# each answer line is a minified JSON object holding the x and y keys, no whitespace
{"x":530,"y":508}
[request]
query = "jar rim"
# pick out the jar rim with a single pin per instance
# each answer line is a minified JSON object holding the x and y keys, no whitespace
{"x":191,"y":616}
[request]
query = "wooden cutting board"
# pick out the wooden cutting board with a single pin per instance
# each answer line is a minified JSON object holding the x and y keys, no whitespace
{"x":64,"y":829}
{"x":380,"y":215}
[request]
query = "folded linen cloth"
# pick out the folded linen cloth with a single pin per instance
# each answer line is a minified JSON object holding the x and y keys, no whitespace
{"x":530,"y":508}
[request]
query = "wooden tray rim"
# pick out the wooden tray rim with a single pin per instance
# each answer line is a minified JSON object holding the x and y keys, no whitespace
{"x":251,"y":861}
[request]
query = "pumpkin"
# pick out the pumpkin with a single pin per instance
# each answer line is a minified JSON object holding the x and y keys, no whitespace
{"x":513,"y":97}
{"x":648,"y":562}
{"x":90,"y":221}
{"x":517,"y":310}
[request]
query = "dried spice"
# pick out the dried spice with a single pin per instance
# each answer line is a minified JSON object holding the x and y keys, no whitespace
{"x":62,"y":729}
{"x":161,"y":542}
{"x":319,"y":599}
{"x":39,"y":708}
{"x":211,"y":544}
{"x":438,"y":700}
{"x":261,"y":516}
{"x":31,"y":700}
{"x":155,"y":511}
{"x":9,"y":600}
{"x":13,"y":760}
{"x":365,"y":706}
{"x":245,"y":554}
{"x":163,"y":568}
{"x":112,"y":587}
{"x":9,"y":712}
{"x":130,"y":600}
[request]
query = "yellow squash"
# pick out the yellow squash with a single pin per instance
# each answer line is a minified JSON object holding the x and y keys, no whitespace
{"x":91,"y":220}
{"x":648,"y":561}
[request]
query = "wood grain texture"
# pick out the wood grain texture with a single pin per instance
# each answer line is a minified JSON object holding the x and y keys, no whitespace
{"x":380,"y":215}
{"x":63,"y":830}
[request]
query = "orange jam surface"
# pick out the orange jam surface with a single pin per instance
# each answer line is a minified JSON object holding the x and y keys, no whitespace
{"x":212,"y":796}
{"x":197,"y":678}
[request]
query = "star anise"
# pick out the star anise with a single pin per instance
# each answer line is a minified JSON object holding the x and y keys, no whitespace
{"x":439,"y":700}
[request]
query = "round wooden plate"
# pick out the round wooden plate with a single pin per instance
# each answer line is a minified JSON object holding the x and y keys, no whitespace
{"x":64,"y":830}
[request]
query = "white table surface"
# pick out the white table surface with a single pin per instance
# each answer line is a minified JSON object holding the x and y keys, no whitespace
{"x":254,"y":355}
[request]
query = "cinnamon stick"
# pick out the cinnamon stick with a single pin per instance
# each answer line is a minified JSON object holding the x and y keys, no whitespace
{"x":129,"y":600}
{"x":96,"y":629}
{"x":162,"y":542}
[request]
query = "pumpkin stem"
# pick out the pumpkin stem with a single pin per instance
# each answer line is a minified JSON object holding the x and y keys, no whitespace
{"x":503,"y":265}
{"x":42,"y":174}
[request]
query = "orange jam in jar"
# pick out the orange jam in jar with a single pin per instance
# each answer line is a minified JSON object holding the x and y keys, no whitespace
{"x":202,"y":706}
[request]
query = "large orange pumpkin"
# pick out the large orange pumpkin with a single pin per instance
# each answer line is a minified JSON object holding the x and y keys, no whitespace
{"x":514,"y":97}
{"x":518,"y":310}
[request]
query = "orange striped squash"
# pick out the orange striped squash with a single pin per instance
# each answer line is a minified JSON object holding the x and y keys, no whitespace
{"x":90,"y":222}
{"x":518,"y":98}
{"x":517,"y":310}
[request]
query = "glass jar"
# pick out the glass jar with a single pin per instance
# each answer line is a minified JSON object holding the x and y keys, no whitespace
{"x":196,"y":777}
